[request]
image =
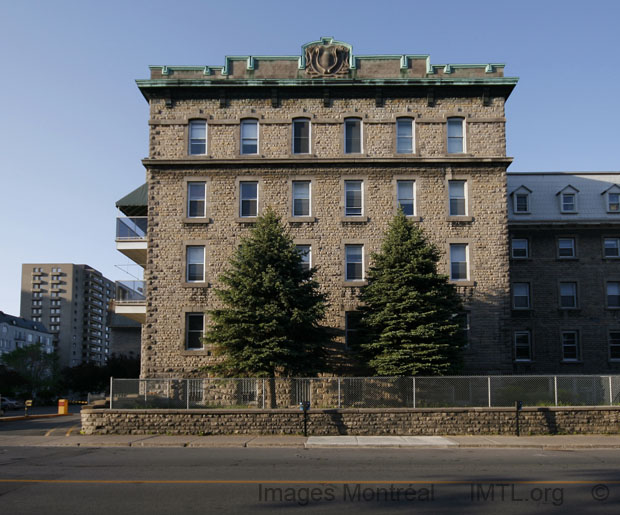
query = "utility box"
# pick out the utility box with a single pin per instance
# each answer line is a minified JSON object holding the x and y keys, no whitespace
{"x":63,"y":407}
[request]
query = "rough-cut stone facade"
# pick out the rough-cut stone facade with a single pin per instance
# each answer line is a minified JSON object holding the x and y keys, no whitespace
{"x":361,"y":422}
{"x":377,"y":91}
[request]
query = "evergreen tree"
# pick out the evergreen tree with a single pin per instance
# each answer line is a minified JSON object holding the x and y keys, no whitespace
{"x":268,"y":324}
{"x":411,"y":314}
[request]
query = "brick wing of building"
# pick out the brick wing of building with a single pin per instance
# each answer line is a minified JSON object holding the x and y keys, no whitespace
{"x":334,"y":143}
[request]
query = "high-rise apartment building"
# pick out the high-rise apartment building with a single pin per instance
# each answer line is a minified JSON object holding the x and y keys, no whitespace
{"x":72,"y":301}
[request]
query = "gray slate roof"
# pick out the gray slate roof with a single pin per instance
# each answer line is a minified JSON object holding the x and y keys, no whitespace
{"x":22,"y":322}
{"x":545,"y":201}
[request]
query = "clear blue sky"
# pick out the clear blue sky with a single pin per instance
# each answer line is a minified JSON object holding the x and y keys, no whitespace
{"x":73,"y":125}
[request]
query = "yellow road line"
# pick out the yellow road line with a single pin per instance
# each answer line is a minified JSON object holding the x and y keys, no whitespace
{"x":68,"y":433}
{"x":50,"y":431}
{"x":292,"y":482}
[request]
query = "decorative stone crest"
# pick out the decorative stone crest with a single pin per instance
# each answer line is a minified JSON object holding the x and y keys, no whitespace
{"x":327,"y":59}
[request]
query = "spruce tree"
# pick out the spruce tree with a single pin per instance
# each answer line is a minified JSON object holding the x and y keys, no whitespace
{"x":269,"y":322}
{"x":410,"y":313}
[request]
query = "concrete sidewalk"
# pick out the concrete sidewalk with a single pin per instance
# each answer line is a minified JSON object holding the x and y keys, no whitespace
{"x":358,"y":442}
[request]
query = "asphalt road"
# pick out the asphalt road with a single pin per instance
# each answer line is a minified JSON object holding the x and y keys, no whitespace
{"x":54,"y":426}
{"x":263,"y":480}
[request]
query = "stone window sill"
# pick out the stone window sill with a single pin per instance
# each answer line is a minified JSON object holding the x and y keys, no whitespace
{"x":301,"y":219}
{"x":355,"y":284}
{"x":354,"y":219}
{"x":246,"y":219}
{"x":462,"y":283}
{"x":197,"y":220}
{"x":204,"y":284}
{"x":460,"y":218}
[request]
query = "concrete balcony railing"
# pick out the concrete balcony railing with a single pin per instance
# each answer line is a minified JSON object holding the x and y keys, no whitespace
{"x":131,"y":237}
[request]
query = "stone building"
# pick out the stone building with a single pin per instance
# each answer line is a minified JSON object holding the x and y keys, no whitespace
{"x":565,"y":272}
{"x":334,"y":143}
{"x":16,"y":333}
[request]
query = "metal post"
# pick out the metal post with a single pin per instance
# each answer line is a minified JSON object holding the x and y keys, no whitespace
{"x":611,"y":396}
{"x":489,"y":389}
{"x":555,"y":389}
{"x":111,"y":383}
{"x":263,"y":393}
{"x":146,"y":387}
{"x":340,"y":403}
{"x":187,"y":391}
{"x":413,"y":391}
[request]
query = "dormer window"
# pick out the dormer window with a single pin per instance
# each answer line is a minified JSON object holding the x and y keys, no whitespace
{"x":568,"y":199}
{"x":521,"y":200}
{"x":612,"y":199}
{"x":613,"y":202}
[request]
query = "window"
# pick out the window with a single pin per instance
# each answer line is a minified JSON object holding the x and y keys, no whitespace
{"x":458,"y":205}
{"x":351,"y":328}
{"x":301,"y":136}
{"x":569,"y":203}
{"x":305,"y":251}
{"x":613,"y":202}
{"x":566,"y":247}
{"x":523,"y":346}
{"x":353,"y":198}
{"x":352,"y":136}
{"x":612,"y":247}
{"x":613,"y":295}
{"x":354,"y":262}
{"x":570,"y":346}
{"x":521,"y":295}
{"x":520,"y":248}
{"x":197,"y":137}
{"x":249,"y":136}
{"x":458,"y":262}
{"x":194,"y":330}
{"x":522,"y":203}
{"x":614,"y":345}
{"x":568,"y":295}
{"x":466,"y":327}
{"x":455,"y":136}
{"x":406,"y":196}
{"x":249,"y":199}
{"x":301,"y":198}
{"x":404,"y":136}
{"x":196,"y":200}
{"x":37,"y":295}
{"x":195,"y":263}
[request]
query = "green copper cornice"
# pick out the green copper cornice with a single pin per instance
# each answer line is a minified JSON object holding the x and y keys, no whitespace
{"x":414,"y":81}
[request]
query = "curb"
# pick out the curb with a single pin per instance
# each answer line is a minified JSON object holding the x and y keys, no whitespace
{"x":30,"y":417}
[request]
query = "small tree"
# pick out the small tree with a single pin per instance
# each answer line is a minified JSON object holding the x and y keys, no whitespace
{"x":35,"y":366}
{"x":272,"y":306}
{"x":412,"y":314}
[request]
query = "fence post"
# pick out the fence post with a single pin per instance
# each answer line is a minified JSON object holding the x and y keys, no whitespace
{"x":413,"y":378}
{"x":112,"y":382}
{"x":263,"y":393}
{"x":340,"y":404}
{"x":555,"y":389}
{"x":146,"y":387}
{"x":611,"y":396}
{"x":489,"y":389}
{"x":187,"y":392}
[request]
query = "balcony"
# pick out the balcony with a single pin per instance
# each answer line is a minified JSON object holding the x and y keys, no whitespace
{"x":131,"y":237}
{"x":131,"y":300}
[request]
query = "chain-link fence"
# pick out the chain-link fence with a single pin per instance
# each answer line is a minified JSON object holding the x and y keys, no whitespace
{"x":365,"y":392}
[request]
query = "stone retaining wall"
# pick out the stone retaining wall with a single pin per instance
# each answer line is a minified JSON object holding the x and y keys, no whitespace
{"x":457,"y":421}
